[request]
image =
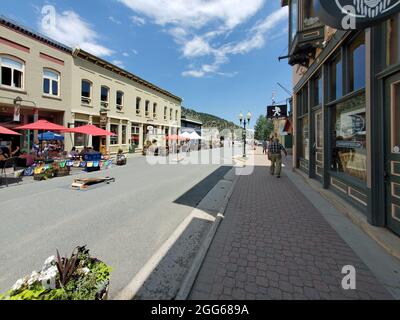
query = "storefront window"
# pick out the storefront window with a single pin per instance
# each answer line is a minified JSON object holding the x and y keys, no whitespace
{"x":310,"y":18}
{"x":105,"y":93}
{"x":120,"y":100}
{"x":79,"y":139}
{"x":154,"y":110}
{"x":12,"y":72}
{"x":396,"y":118}
{"x":138,"y":101}
{"x":319,"y":131}
{"x":393,"y":40}
{"x":147,"y":108}
{"x":317,"y":91}
{"x":357,"y":64}
{"x":114,"y":139}
{"x":304,"y":151}
{"x":51,"y":82}
{"x":336,"y":79}
{"x":86,"y":92}
{"x":349,"y":153}
{"x":123,"y":135}
{"x":135,"y":131}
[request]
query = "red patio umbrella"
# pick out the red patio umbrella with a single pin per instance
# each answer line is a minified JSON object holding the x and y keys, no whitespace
{"x":43,"y":125}
{"x":175,"y":137}
{"x":91,"y":130}
{"x":6,"y":131}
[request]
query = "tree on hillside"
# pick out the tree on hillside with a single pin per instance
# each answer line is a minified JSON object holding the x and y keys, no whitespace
{"x":263,"y":128}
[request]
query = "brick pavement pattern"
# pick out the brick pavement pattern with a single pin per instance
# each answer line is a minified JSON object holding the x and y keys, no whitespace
{"x":274,"y":245}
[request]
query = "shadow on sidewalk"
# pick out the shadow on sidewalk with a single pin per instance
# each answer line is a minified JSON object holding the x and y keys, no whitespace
{"x":193,"y":197}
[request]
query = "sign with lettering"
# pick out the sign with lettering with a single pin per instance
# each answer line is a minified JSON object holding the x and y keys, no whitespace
{"x":355,"y":14}
{"x":277,"y":111}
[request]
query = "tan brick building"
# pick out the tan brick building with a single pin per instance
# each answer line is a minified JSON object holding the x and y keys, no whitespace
{"x":71,"y":87}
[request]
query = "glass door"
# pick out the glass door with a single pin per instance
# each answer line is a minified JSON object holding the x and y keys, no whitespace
{"x":319,"y":144}
{"x":392,"y":178}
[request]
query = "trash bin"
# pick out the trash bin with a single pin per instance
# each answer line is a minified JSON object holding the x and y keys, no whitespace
{"x":93,"y":158}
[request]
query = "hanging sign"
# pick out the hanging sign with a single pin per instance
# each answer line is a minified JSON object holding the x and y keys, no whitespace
{"x":277,"y":111}
{"x":103,"y":119}
{"x":355,"y":14}
{"x":17,"y":114}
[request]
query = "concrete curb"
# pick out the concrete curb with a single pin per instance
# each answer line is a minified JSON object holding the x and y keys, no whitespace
{"x":383,"y":237}
{"x":191,"y":276}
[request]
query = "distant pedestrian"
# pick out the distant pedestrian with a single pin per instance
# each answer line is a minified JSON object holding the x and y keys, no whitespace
{"x":275,"y":154}
{"x":265,"y":146}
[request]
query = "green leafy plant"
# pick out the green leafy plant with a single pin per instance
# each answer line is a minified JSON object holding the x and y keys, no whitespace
{"x":79,"y":277}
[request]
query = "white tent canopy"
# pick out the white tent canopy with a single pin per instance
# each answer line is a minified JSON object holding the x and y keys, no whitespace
{"x":194,"y":136}
{"x":186,"y":135}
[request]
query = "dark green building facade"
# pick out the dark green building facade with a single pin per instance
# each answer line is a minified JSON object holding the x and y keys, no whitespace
{"x":347,"y":109}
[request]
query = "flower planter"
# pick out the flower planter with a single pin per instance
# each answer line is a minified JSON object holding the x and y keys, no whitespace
{"x":80,"y":277}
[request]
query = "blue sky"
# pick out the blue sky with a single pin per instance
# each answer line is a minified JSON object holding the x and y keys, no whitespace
{"x":220,"y":56}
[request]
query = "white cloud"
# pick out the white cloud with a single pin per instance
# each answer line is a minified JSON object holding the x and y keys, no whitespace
{"x":139,"y":21}
{"x":194,"y":73}
{"x":134,"y":51}
{"x":112,"y":19}
{"x":118,"y":63}
{"x":202,"y":28}
{"x":125,"y":54}
{"x":196,"y":47}
{"x":71,"y":30}
{"x":195,"y":13}
{"x":255,"y":40}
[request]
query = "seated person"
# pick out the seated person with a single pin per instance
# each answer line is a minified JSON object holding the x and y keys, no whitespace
{"x":121,"y":158}
{"x":16,"y":152}
{"x":30,"y":158}
{"x":83,"y":152}
{"x":74,"y":153}
{"x":2,"y":156}
{"x":5,"y":151}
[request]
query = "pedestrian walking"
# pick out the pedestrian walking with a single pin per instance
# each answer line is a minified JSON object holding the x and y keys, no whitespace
{"x":275,"y":149}
{"x":265,"y":146}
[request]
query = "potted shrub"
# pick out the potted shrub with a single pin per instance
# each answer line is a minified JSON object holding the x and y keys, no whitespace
{"x":80,"y":277}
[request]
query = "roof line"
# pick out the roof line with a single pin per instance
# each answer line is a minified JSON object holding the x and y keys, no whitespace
{"x":5,"y":21}
{"x":103,"y":63}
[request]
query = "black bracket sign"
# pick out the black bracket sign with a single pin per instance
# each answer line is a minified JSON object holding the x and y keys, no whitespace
{"x":277,"y":111}
{"x":355,"y":14}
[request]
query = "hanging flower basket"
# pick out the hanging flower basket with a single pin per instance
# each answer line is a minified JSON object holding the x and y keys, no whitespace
{"x":80,"y":277}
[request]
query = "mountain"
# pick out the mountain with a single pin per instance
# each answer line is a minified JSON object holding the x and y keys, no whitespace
{"x":209,"y":120}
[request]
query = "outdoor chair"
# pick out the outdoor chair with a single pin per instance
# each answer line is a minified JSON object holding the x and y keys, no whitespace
{"x":7,"y":168}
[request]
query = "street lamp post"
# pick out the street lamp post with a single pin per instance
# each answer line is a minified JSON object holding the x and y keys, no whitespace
{"x":244,"y":121}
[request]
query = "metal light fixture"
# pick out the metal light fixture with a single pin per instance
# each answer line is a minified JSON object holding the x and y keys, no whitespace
{"x":18,"y":101}
{"x":245,"y":121}
{"x":249,"y":116}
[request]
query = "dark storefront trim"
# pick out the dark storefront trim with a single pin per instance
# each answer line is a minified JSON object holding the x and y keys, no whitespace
{"x":352,"y":189}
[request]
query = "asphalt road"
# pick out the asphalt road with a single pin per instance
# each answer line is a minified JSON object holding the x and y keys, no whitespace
{"x":123,"y":223}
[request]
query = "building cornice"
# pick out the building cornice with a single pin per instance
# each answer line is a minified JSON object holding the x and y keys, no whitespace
{"x":8,"y":23}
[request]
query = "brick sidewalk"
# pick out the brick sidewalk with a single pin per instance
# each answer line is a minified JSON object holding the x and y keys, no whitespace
{"x":278,"y":247}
